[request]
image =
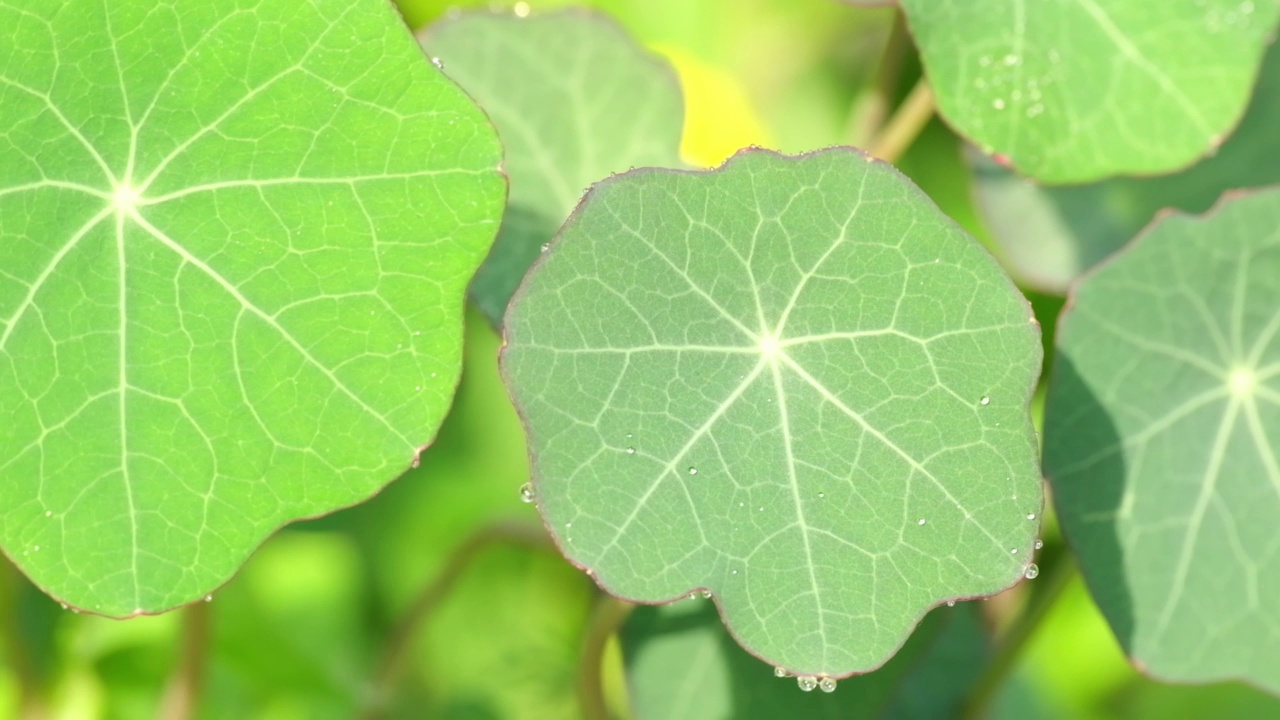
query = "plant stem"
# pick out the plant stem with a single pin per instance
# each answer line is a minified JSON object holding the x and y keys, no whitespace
{"x":1012,"y":641}
{"x":16,"y":650}
{"x":608,"y":616}
{"x":396,"y":655}
{"x":907,"y":122}
{"x":872,"y":107}
{"x":181,"y":700}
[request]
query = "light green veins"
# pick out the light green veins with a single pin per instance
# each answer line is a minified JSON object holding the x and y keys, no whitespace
{"x":235,"y":244}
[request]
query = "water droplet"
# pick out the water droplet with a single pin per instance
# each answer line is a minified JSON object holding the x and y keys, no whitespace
{"x":780,"y":672}
{"x":521,"y":9}
{"x":526,"y":492}
{"x":437,"y":62}
{"x":64,"y":605}
{"x":693,"y":471}
{"x":827,"y":684}
{"x":1031,"y":516}
{"x":1032,"y":572}
{"x":706,"y":594}
{"x":628,"y":436}
{"x":546,"y":246}
{"x":733,"y":572}
{"x":208,"y":598}
{"x":807,"y":683}
{"x":48,"y":513}
{"x":951,"y":603}
{"x":998,"y":104}
{"x":985,"y":400}
{"x":1039,"y":543}
{"x":821,"y":495}
{"x":631,"y":451}
{"x":1014,"y":551}
{"x":920,"y":521}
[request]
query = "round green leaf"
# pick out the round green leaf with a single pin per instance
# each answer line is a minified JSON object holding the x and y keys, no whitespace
{"x":235,"y":247}
{"x":1077,"y":90}
{"x":792,"y":382}
{"x":1162,"y":439}
{"x":574,"y":99}
{"x":1050,"y":235}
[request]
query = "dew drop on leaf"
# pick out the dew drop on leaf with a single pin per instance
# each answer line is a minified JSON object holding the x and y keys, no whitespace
{"x":985,"y":400}
{"x":807,"y":683}
{"x":1039,"y":543}
{"x":706,"y":594}
{"x":526,"y":492}
{"x":827,"y":684}
{"x":1014,"y":551}
{"x":777,"y":672}
{"x":1033,"y":571}
{"x":693,"y":471}
{"x":631,"y":451}
{"x":951,"y":603}
{"x":1031,"y":516}
{"x":921,"y":521}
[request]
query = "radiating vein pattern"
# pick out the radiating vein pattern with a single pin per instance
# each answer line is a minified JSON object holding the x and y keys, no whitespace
{"x":1076,"y":90}
{"x":1162,"y":439}
{"x":791,"y":382}
{"x":235,"y":239}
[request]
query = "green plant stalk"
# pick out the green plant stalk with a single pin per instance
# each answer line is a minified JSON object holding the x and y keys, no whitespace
{"x":403,"y":636}
{"x":908,"y":120}
{"x":1011,"y":643}
{"x":16,"y":650}
{"x":607,"y":618}
{"x":871,"y":107}
{"x":181,"y":700}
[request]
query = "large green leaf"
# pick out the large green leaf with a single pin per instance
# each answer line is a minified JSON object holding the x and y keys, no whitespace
{"x":1050,"y":235}
{"x":235,"y":247}
{"x":574,"y":99}
{"x":1162,"y":440}
{"x":682,"y":665}
{"x":1077,"y":90}
{"x":791,"y":382}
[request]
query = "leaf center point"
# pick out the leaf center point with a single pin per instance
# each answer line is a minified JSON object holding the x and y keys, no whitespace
{"x":125,"y":198}
{"x":770,"y":346}
{"x":1242,"y":382}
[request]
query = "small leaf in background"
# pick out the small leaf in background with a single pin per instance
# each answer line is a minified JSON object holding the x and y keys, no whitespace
{"x":574,"y":99}
{"x":1161,"y":440}
{"x":682,"y":665}
{"x":236,"y":243}
{"x":1077,"y":91}
{"x":790,"y":381}
{"x":1048,"y":236}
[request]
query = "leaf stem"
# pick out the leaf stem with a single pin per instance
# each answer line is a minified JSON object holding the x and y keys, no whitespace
{"x":181,"y":700}
{"x":16,"y":648}
{"x":872,"y":107}
{"x":1013,"y":640}
{"x":606,"y":618}
{"x":403,"y":636}
{"x":905,"y":125}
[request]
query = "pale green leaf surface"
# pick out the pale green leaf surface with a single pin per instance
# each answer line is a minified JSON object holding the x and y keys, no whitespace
{"x":1050,"y":235}
{"x":1162,"y":441}
{"x":236,"y":242}
{"x":682,"y":665}
{"x":759,"y":380}
{"x":574,"y":99}
{"x":1078,"y":90}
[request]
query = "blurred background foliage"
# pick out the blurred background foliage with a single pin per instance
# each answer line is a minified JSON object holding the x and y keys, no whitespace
{"x":440,"y":597}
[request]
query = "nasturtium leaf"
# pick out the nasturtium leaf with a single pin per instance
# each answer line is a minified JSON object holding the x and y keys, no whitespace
{"x":1050,"y":235}
{"x":236,"y":242}
{"x":1162,"y":440}
{"x":790,"y":381}
{"x":682,"y":665}
{"x":574,"y":99}
{"x":1078,"y":90}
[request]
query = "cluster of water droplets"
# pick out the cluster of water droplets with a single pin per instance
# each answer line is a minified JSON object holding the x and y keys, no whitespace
{"x":808,"y":683}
